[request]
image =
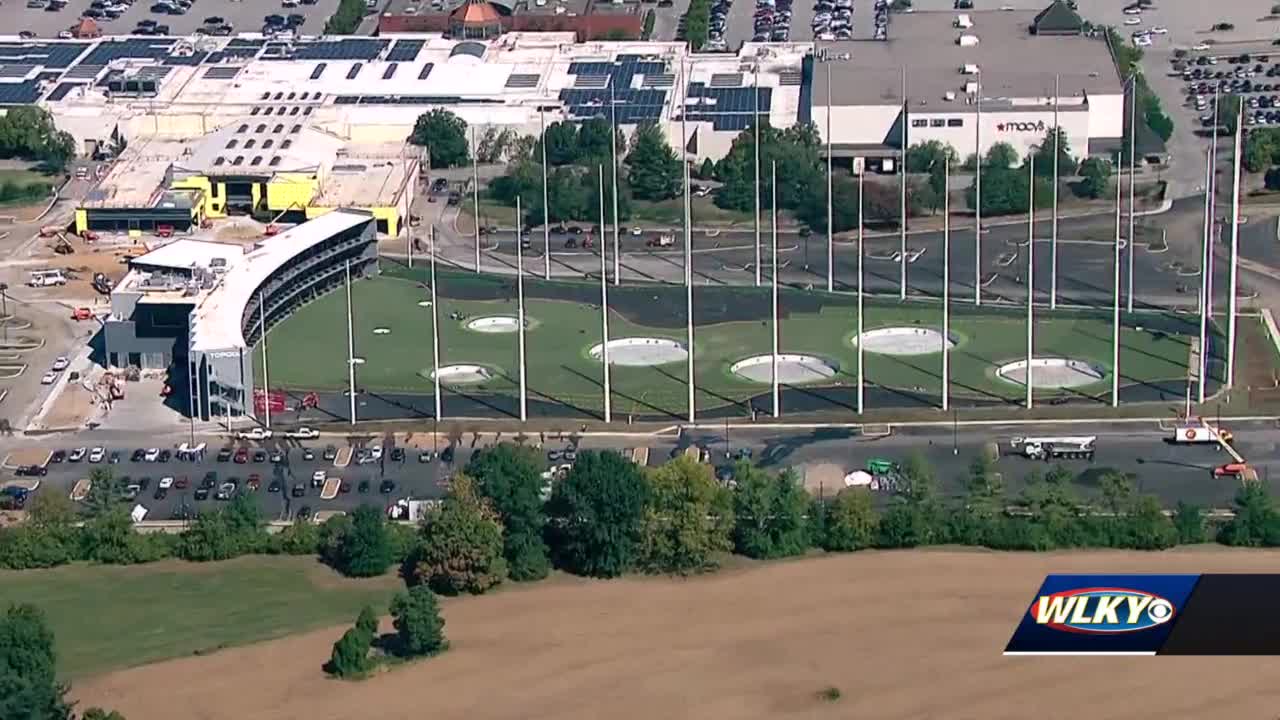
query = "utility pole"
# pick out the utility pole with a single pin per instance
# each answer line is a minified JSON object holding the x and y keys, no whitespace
{"x":435,"y":331}
{"x":1115,"y":309}
{"x":860,"y":338}
{"x":524,"y":408}
{"x":475,"y":192}
{"x":1235,"y":244}
{"x":266,"y":382}
{"x":351,"y":349}
{"x":946,"y":284}
{"x":977,"y":193}
{"x":1053,"y":236}
{"x":546,"y":213}
{"x":830,"y":198}
{"x":1031,"y":270}
{"x":902,"y":187}
{"x":773,"y":321}
{"x":604,"y":307}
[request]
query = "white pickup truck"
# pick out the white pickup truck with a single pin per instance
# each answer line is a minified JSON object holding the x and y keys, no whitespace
{"x":255,"y":434}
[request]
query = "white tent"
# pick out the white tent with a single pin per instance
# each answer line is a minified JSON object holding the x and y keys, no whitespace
{"x":858,"y":478}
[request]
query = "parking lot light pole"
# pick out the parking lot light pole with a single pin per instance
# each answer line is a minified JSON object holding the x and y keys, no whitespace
{"x":435,"y":332}
{"x":1235,"y":243}
{"x":1115,"y":309}
{"x":524,"y":415}
{"x":755,"y":125}
{"x":1206,"y":248}
{"x":351,"y":348}
{"x":475,"y":192}
{"x":977,"y":191}
{"x":1133,"y":146}
{"x":688,"y":252}
{"x":546,"y":213}
{"x":604,"y":307}
{"x":830,"y":199}
{"x":1053,"y":226}
{"x":902,"y":183}
{"x":1031,"y":270}
{"x":613,"y":149}
{"x":860,"y":338}
{"x":773,"y":320}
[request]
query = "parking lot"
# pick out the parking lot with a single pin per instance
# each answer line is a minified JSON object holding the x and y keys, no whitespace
{"x":241,"y":15}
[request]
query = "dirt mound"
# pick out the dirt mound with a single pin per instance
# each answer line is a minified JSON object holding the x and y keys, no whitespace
{"x":901,"y":635}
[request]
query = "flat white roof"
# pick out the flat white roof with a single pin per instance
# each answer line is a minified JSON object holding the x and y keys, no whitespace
{"x":184,"y":253}
{"x":216,"y":320}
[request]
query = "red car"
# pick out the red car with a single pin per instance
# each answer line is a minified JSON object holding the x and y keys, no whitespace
{"x":181,"y":483}
{"x":254,"y":482}
{"x":242,"y":456}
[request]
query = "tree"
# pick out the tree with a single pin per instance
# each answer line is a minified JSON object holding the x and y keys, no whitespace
{"x":461,"y":547}
{"x":1005,"y":191}
{"x":1260,"y":146}
{"x":362,"y":548}
{"x":851,"y":522}
{"x":1256,"y":520}
{"x":924,"y":157}
{"x":914,"y":516}
{"x":28,"y":132}
{"x":697,"y":23}
{"x":96,"y":713}
{"x":29,"y":688}
{"x":1188,"y":523}
{"x":769,"y":514}
{"x":346,"y":19}
{"x":510,"y":477}
{"x":708,"y":170}
{"x":1228,"y":109}
{"x":299,"y":538}
{"x":419,"y":627}
{"x":654,"y":171}
{"x":562,"y":143}
{"x":795,"y":150}
{"x":367,"y":621}
{"x":1044,"y":154}
{"x":103,"y":491}
{"x":1147,"y":527}
{"x":444,"y":135}
{"x":688,"y":520}
{"x":1001,"y":156}
{"x":592,"y":147}
{"x":1096,"y":178}
{"x":1117,"y":491}
{"x":350,"y":655}
{"x":595,"y":515}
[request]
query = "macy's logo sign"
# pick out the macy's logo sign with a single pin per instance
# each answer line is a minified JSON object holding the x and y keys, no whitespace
{"x":1021,"y":126}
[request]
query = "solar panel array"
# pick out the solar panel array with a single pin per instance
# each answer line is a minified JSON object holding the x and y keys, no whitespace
{"x":790,"y":78}
{"x":658,"y":81}
{"x":48,"y":76}
{"x":630,"y":106}
{"x":523,"y":81}
{"x":726,"y":108}
{"x":84,"y":72}
{"x":193,"y":59}
{"x":222,"y":72}
{"x":50,"y":55}
{"x":726,"y":80}
{"x":63,"y":90}
{"x":16,"y":71}
{"x":411,"y":100}
{"x":346,"y":49}
{"x":23,"y":93}
{"x":405,"y":50}
{"x":105,"y":52}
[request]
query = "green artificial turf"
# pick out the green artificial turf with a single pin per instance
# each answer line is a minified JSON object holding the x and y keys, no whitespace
{"x":107,"y":618}
{"x":308,"y":350}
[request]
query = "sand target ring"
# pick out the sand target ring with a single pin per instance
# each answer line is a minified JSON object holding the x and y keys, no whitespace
{"x":382,"y":331}
{"x":904,"y":341}
{"x":1052,"y":373}
{"x":494,"y":324}
{"x":424,"y":303}
{"x":461,"y":374}
{"x":641,"y":352}
{"x":792,"y":369}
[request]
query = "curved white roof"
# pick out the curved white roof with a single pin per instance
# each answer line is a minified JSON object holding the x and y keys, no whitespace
{"x":215,"y":323}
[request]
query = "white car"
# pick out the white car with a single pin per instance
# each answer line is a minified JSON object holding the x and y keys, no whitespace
{"x":49,"y":378}
{"x":375,"y":452}
{"x":65,"y":35}
{"x":60,"y":363}
{"x":636,"y":232}
{"x":166,"y":483}
{"x":1133,"y":21}
{"x":304,"y":433}
{"x":1200,"y":47}
{"x":1160,"y":30}
{"x":1132,"y":11}
{"x":96,"y":454}
{"x":318,"y":477}
{"x":255,"y":434}
{"x":1143,"y":41}
{"x":77,"y":455}
{"x":151,"y":455}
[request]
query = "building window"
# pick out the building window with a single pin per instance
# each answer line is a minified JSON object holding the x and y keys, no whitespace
{"x":939,"y":122}
{"x":279,"y":95}
{"x":219,"y":160}
{"x":268,"y":143}
{"x":267,"y":111}
{"x":919,"y":123}
{"x":261,"y":128}
{"x":296,"y":129}
{"x":255,"y":111}
{"x":257,"y":160}
{"x":242,"y":128}
{"x":231,"y":144}
{"x":955,"y":122}
{"x":266,"y":95}
{"x":278,"y":129}
{"x":285,"y":144}
{"x":248,"y":144}
{"x":238,"y":161}
{"x":293,"y":110}
{"x":291,"y":96}
{"x":307,"y":111}
{"x":274,"y":161}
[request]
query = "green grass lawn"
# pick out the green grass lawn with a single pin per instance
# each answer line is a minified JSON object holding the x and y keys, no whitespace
{"x":113,"y":617}
{"x":669,"y":212}
{"x":308,"y":350}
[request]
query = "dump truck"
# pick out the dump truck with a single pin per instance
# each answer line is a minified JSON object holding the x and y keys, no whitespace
{"x":1055,"y":448}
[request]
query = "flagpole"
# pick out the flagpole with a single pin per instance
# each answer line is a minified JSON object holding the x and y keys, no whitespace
{"x":755,"y":124}
{"x":1235,"y":243}
{"x":604,"y":305}
{"x":773,"y":324}
{"x":860,"y":338}
{"x":1204,"y":276}
{"x":524,"y":404}
{"x":435,"y":330}
{"x":1031,"y":269}
{"x":351,"y":348}
{"x":977,"y":192}
{"x":902,"y":186}
{"x":1115,"y":309}
{"x":688,"y":249}
{"x":830,"y":198}
{"x":946,"y":284}
{"x":613,"y":149}
{"x":1053,"y":237}
{"x":475,"y":192}
{"x":546,"y":213}
{"x":266,"y":383}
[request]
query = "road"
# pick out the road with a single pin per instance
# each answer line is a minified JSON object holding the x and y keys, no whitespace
{"x":1172,"y":472}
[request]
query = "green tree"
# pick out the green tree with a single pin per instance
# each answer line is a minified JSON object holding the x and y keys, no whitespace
{"x":1256,"y":520}
{"x":796,"y":152}
{"x":595,"y":515}
{"x":850,"y":521}
{"x":510,"y":476}
{"x":209,"y":538}
{"x":708,"y":170}
{"x":769,"y":514}
{"x":592,"y":146}
{"x":914,"y":515}
{"x":300,"y":538}
{"x":1147,"y":527}
{"x":1044,"y":154}
{"x":461,"y":550}
{"x":96,"y":713}
{"x":28,"y":132}
{"x":562,"y":143}
{"x":1188,"y":522}
{"x":1095,"y":176}
{"x":444,"y":135}
{"x":104,"y":491}
{"x":980,"y":516}
{"x":350,"y":655}
{"x":844,"y":207}
{"x":345,"y":20}
{"x":29,"y":688}
{"x":697,"y":23}
{"x":367,"y":621}
{"x":924,"y":157}
{"x":1260,"y":146}
{"x":364,"y":549}
{"x":1006,"y":191}
{"x":419,"y":627}
{"x":107,"y":537}
{"x":1001,"y":156}
{"x":653,"y":170}
{"x":1228,"y":109}
{"x":688,"y":520}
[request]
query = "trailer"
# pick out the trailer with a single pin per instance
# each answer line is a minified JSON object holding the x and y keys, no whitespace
{"x":1056,"y":448}
{"x":1200,"y":434}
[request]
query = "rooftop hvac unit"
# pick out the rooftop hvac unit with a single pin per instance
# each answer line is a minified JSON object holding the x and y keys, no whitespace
{"x":963,"y":22}
{"x":969,"y":69}
{"x":971,"y":88}
{"x":949,"y":96}
{"x":967,"y":40}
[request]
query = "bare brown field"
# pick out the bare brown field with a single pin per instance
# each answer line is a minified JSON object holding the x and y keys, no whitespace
{"x":900,"y":634}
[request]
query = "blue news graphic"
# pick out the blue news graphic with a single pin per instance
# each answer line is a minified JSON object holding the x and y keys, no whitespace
{"x":1102,"y":614}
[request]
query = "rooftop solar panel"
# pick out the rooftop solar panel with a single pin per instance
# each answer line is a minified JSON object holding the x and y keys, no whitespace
{"x":732,"y":80}
{"x":405,"y":50}
{"x":63,"y":90}
{"x":222,"y":72}
{"x":84,"y":71}
{"x":23,"y":93}
{"x":15,"y":71}
{"x":521,"y":80}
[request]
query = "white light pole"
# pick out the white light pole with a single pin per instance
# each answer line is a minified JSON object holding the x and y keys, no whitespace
{"x":946,"y":284}
{"x":1206,"y":240}
{"x":1031,"y":269}
{"x":773,"y":320}
{"x":546,"y":213}
{"x":860,"y":338}
{"x":408,"y":243}
{"x":435,"y":332}
{"x":475,"y":192}
{"x":977,"y":194}
{"x":613,"y":149}
{"x":266,"y":382}
{"x":1213,"y":214}
{"x":902,"y":187}
{"x":1053,"y":232}
{"x":524,"y":405}
{"x":351,"y":348}
{"x":755,"y":124}
{"x":1133,"y":146}
{"x":1235,"y":242}
{"x":688,"y":263}
{"x":830,"y":198}
{"x":604,"y":306}
{"x":1115,"y":309}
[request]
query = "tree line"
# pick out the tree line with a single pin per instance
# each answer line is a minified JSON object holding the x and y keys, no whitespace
{"x":27,"y":132}
{"x":29,"y":685}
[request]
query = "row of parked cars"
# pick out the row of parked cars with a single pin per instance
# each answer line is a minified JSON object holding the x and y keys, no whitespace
{"x":833,"y":20}
{"x":1243,"y":75}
